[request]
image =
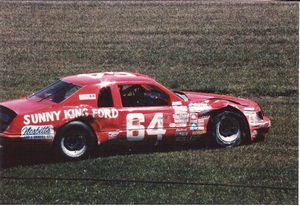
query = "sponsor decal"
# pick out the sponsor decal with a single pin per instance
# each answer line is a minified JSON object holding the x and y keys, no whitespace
{"x":250,"y":113}
{"x":198,"y":132}
{"x":194,"y":126}
{"x":113,"y":135}
{"x":176,"y":103}
{"x":73,"y":113}
{"x":193,"y":116}
{"x":105,"y":113}
{"x":180,"y":109}
{"x":41,"y":117}
{"x":87,"y":96}
{"x":180,"y":116}
{"x":253,"y":119}
{"x":172,"y":125}
{"x":37,"y":132}
{"x":181,"y":132}
{"x":249,"y":108}
{"x":199,"y":107}
{"x":197,"y":123}
{"x":201,"y":124}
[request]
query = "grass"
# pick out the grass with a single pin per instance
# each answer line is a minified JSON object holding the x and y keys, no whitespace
{"x":243,"y":49}
{"x":197,"y":43}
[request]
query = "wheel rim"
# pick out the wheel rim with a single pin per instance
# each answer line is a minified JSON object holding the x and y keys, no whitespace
{"x":74,"y":144}
{"x":228,"y":129}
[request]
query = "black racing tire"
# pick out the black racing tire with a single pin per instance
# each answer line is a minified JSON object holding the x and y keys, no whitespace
{"x":75,"y":141}
{"x":227,"y":129}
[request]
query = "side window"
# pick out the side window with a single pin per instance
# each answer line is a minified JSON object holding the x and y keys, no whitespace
{"x":142,"y":95}
{"x":105,"y":98}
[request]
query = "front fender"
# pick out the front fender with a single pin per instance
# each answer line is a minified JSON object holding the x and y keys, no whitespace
{"x":218,"y":106}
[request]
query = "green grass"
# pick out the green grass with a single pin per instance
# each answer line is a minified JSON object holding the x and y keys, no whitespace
{"x":243,"y":49}
{"x":184,"y":46}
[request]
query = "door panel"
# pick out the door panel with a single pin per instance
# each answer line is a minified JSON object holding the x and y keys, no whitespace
{"x":146,"y":123}
{"x":147,"y":113}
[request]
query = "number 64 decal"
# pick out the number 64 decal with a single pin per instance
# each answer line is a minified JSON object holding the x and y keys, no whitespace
{"x":136,"y":131}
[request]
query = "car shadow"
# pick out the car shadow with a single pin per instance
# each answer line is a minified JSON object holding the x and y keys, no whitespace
{"x":29,"y":156}
{"x":14,"y":156}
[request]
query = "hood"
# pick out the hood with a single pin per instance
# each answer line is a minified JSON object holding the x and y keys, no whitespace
{"x":24,"y":105}
{"x":199,"y":97}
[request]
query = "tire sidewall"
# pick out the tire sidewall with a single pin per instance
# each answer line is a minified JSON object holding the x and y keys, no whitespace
{"x":89,"y":138}
{"x":217,"y":119}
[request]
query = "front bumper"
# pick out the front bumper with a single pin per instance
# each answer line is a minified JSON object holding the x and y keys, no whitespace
{"x":260,"y":128}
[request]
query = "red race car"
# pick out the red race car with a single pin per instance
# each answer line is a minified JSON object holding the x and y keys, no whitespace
{"x":78,"y":112}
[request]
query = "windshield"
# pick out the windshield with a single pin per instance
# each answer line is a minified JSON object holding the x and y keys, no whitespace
{"x":56,"y":92}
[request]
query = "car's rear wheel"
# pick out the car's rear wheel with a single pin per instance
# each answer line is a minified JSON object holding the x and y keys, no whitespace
{"x":75,"y":141}
{"x":227,"y":129}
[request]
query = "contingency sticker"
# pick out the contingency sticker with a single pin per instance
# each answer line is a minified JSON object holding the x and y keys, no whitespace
{"x":113,"y":134}
{"x":180,"y":116}
{"x":181,"y":134}
{"x":199,"y":107}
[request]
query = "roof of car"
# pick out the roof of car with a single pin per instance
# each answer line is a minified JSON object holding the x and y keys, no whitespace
{"x":96,"y":78}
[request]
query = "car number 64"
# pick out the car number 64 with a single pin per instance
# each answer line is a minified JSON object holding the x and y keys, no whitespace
{"x":136,"y":131}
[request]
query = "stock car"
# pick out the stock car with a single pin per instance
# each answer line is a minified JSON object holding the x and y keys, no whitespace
{"x":79,"y":112}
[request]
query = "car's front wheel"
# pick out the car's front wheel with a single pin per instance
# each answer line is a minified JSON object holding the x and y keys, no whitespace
{"x":75,"y":141}
{"x":227,"y":129}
